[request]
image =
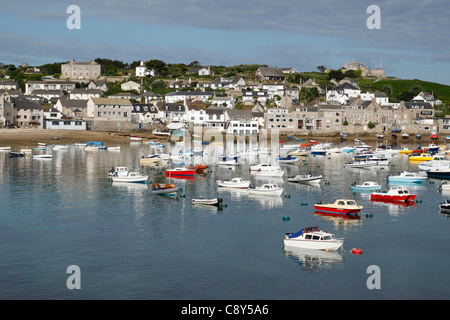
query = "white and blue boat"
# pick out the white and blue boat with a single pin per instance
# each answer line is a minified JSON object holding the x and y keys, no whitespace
{"x":406,"y":176}
{"x":349,"y":149}
{"x":365,"y":186}
{"x":287,"y":159}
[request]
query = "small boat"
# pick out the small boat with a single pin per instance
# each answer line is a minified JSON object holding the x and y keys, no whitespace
{"x":113,"y":148}
{"x":5,"y":148}
{"x":60,"y":147}
{"x":208,"y":201}
{"x":42,"y":156}
{"x":288,"y":159}
{"x":348,"y":149}
{"x":433,"y":135}
{"x":406,"y":176}
{"x":165,"y":189}
{"x":405,"y":135}
{"x":365,"y":186}
{"x":445,"y":206}
{"x":263,"y":167}
{"x":313,"y":238}
{"x":344,"y":135}
{"x":231,"y":162}
{"x":437,"y":161}
{"x":341,"y":207}
{"x":268,"y":189}
{"x":135,"y":138}
{"x":300,"y":152}
{"x":80,"y":144}
{"x":360,"y":164}
{"x":118,"y":171}
{"x":271,"y":172}
{"x":229,"y":156}
{"x":26,"y":150}
{"x":405,"y":151}
{"x":160,"y":133}
{"x":16,"y":154}
{"x":237,"y":183}
{"x":439,"y":172}
{"x":397,"y":193}
{"x":180,"y":171}
{"x":305,"y":178}
{"x":380,"y":136}
{"x":151,"y":158}
{"x":421,"y":157}
{"x":199,"y":168}
{"x":133,"y":177}
{"x":418,"y":136}
{"x":42,"y":144}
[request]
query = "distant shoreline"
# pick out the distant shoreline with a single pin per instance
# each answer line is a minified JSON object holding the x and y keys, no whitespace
{"x":30,"y":137}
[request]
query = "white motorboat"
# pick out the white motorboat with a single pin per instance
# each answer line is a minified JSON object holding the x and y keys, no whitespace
{"x":118,"y":171}
{"x":230,"y":162}
{"x":208,"y":201}
{"x":263,"y":167}
{"x":271,"y":172}
{"x":135,"y":138}
{"x":134,"y":177}
{"x":305,"y":178}
{"x":300,"y":152}
{"x":113,"y":148}
{"x":268,"y":189}
{"x":445,"y":206}
{"x":436,"y":162}
{"x":5,"y":148}
{"x":349,"y":149}
{"x":365,"y":186}
{"x":313,"y":238}
{"x":237,"y":183}
{"x":288,"y":159}
{"x":360,"y":164}
{"x":60,"y":147}
{"x":151,"y":158}
{"x":405,"y":176}
{"x":42,"y":156}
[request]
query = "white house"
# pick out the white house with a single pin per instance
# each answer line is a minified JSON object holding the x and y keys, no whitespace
{"x":273,"y":89}
{"x":340,"y":94}
{"x":205,"y":71}
{"x":143,"y":71}
{"x":49,"y":85}
{"x":173,"y":97}
{"x":227,"y":102}
{"x":99,"y":84}
{"x":144,"y":113}
{"x":130,"y":85}
{"x":64,"y":124}
{"x":249,"y":97}
{"x":85,"y":94}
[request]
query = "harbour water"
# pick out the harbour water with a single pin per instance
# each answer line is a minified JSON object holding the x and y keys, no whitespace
{"x":130,"y":244}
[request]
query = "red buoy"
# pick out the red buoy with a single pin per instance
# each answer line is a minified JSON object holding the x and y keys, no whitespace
{"x":356,"y":251}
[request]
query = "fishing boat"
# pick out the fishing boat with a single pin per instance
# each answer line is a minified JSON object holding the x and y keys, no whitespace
{"x":132,"y":177}
{"x":305,"y":178}
{"x":16,"y":154}
{"x":271,"y":172}
{"x":445,"y":206}
{"x":263,"y":167}
{"x":118,"y":171}
{"x":313,"y":238}
{"x":268,"y":189}
{"x":237,"y":183}
{"x":365,"y":186}
{"x":42,"y":156}
{"x":440,"y":172}
{"x":406,"y":176}
{"x":288,"y":159}
{"x":180,"y":171}
{"x":165,"y":189}
{"x":199,"y":168}
{"x":421,"y":157}
{"x":396,"y":193}
{"x":208,"y":201}
{"x":341,"y":207}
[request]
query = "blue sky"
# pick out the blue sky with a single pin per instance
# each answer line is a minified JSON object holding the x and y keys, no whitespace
{"x":412,"y":43}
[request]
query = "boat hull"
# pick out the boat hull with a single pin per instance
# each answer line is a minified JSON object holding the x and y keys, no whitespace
{"x":337,"y":212}
{"x":311,"y":244}
{"x":390,"y":198}
{"x":235,"y":185}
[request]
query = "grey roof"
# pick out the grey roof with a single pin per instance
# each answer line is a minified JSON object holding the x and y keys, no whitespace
{"x":189,"y":93}
{"x":171,"y":107}
{"x":418,"y":105}
{"x":68,"y":103}
{"x":150,"y":108}
{"x":23,"y":104}
{"x":271,"y":72}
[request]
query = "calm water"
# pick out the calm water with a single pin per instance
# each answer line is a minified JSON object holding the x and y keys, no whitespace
{"x":130,"y":244}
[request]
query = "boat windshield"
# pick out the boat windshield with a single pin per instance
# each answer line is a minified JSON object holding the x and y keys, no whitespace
{"x":351,"y":203}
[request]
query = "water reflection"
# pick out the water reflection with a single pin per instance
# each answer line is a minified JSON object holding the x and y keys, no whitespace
{"x":313,"y":260}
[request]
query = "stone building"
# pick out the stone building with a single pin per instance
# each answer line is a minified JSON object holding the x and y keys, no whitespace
{"x":81,"y":70}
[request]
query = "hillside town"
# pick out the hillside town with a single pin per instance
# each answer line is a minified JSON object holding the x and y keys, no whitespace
{"x":80,"y":98}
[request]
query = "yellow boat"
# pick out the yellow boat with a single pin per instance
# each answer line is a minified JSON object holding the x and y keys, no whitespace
{"x":405,"y":151}
{"x":421,"y":157}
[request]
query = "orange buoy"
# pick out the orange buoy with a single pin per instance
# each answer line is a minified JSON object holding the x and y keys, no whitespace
{"x":356,"y":251}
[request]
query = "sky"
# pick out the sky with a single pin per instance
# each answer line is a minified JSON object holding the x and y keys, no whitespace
{"x":412,"y":40}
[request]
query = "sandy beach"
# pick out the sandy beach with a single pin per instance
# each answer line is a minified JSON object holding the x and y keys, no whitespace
{"x":30,"y":137}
